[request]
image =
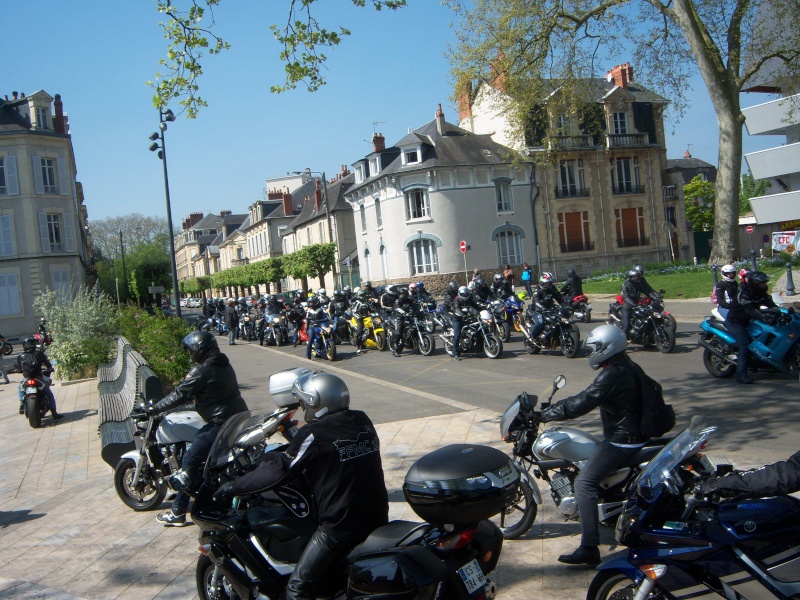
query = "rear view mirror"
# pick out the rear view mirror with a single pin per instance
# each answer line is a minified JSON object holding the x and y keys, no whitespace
{"x":559,"y":382}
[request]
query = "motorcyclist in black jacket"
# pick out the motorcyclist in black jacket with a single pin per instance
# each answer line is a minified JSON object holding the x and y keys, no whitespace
{"x":545,"y":297}
{"x":616,"y":391}
{"x":370,"y":291}
{"x":338,"y":453}
{"x":403,"y":306}
{"x":482,"y":290}
{"x":212,"y":385}
{"x":315,"y":317}
{"x":34,"y":364}
{"x":464,"y":303}
{"x":501,"y":287}
{"x":337,"y":309}
{"x":388,"y":298}
{"x":752,"y":296}
{"x":641,"y":284}
{"x":360,"y":307}
{"x":778,"y":478}
{"x":573,"y":286}
{"x":630,"y":297}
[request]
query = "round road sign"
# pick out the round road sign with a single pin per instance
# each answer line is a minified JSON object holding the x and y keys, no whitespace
{"x":463,"y":246}
{"x":749,"y":229}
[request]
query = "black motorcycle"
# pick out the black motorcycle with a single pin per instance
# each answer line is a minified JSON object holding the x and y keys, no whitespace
{"x":415,"y":334}
{"x":559,"y":331}
{"x":272,"y":330}
{"x":202,"y":323}
{"x":477,"y":334}
{"x":249,"y":546}
{"x":34,"y":401}
{"x":649,"y":326}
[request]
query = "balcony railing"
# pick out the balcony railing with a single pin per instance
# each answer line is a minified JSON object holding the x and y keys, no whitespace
{"x":571,"y":192}
{"x":626,"y":140}
{"x":571,"y":142}
{"x":670,"y":192}
{"x":239,"y":261}
{"x":577,"y":247}
{"x":641,"y":241}
{"x":627,"y":188}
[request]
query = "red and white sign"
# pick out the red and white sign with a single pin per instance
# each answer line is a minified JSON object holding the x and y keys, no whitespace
{"x":749,"y":229}
{"x":463,"y":247}
{"x":785,"y":241}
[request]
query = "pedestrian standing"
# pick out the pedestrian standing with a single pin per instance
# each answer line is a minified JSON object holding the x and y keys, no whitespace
{"x":231,"y":321}
{"x":508,"y":273}
{"x":527,"y":277}
{"x":3,"y":369}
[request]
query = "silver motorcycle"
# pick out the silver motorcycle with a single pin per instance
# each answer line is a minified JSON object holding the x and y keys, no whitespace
{"x":556,"y":455}
{"x":144,"y":476}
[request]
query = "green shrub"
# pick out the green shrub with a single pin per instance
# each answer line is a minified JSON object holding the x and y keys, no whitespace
{"x":83,"y":325}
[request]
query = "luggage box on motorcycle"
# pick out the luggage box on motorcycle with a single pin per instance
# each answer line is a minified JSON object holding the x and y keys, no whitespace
{"x":461,"y":484}
{"x":280,"y":385}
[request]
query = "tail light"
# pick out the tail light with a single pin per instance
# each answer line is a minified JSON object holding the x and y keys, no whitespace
{"x":456,"y":540}
{"x":32,"y":382}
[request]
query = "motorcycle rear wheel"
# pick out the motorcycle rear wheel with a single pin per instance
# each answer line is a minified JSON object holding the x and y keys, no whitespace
{"x":531,"y":348}
{"x":32,"y":411}
{"x":380,"y":341}
{"x":504,"y":332}
{"x":154,"y":493}
{"x":6,"y":348}
{"x":587,"y":312}
{"x":203,"y":575}
{"x":714,"y":365}
{"x":614,"y":585}
{"x":571,"y":344}
{"x":493,"y":346}
{"x":665,"y":339}
{"x":516,"y":518}
{"x":427,"y":344}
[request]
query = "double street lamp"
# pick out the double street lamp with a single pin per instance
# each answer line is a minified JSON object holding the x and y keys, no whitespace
{"x":308,"y":171}
{"x":156,"y":137}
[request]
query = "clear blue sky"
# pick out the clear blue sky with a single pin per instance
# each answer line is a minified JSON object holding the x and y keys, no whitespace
{"x":99,"y":56}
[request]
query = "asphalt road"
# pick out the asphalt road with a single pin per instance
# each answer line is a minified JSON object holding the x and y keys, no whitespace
{"x":756,"y":423}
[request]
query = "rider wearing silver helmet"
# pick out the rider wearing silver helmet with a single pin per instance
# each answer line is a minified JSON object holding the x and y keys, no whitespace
{"x":338,"y":453}
{"x":616,"y":391}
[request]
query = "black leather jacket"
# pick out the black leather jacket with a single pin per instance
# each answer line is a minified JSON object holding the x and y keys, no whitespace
{"x":34,"y":363}
{"x":572,"y":287}
{"x":213,"y":387}
{"x":547,"y":297}
{"x":749,"y":300}
{"x":630,"y":293}
{"x":616,"y":391}
{"x":727,"y":291}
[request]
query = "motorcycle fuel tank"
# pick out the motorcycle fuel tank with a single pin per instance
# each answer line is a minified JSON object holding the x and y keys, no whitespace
{"x":566,"y":443}
{"x":179,"y":426}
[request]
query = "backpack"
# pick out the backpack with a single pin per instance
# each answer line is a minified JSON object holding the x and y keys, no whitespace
{"x":714,"y":296}
{"x":658,"y":417}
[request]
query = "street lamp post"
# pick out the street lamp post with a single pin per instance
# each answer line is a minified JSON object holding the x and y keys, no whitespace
{"x":164,"y":117}
{"x":124,"y":270}
{"x":327,"y":214}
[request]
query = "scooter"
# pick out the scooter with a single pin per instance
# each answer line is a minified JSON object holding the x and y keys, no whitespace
{"x":685,"y":544}
{"x":774,"y":346}
{"x":556,"y":456}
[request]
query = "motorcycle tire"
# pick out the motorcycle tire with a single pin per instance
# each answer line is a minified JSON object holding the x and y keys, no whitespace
{"x":391,"y":344}
{"x":531,"y":348}
{"x":330,"y":350}
{"x":673,"y":324}
{"x":448,"y":347}
{"x":380,"y":341}
{"x":612,"y":584}
{"x":504,"y":332}
{"x":427,"y":344}
{"x":6,"y":348}
{"x":493,"y":346}
{"x":431,"y":323}
{"x":279,"y":338}
{"x":519,"y":322}
{"x":516,"y":518}
{"x":665,"y":339}
{"x":571,"y":343}
{"x":587,"y":313}
{"x":794,"y":362}
{"x":714,"y":365}
{"x":204,"y":573}
{"x":32,"y":411}
{"x":155,"y":491}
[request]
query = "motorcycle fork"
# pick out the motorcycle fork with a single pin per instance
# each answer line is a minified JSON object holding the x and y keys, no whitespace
{"x":143,"y":457}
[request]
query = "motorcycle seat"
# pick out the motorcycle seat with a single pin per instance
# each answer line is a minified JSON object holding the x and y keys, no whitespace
{"x":387,"y":536}
{"x":645,"y":454}
{"x":720,"y":325}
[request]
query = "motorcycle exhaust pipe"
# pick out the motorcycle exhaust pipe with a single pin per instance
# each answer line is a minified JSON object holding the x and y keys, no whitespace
{"x":716,"y":352}
{"x":241,"y":583}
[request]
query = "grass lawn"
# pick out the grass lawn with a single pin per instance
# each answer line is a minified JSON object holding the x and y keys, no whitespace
{"x":677,"y":285}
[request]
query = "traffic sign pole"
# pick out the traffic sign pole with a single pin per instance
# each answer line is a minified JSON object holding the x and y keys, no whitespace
{"x":749,"y":231}
{"x":463,"y":247}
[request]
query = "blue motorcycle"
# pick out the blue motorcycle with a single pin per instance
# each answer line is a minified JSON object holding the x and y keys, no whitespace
{"x":774,"y":346}
{"x":682,"y":544}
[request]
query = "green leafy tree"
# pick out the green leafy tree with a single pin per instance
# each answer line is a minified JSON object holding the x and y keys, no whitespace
{"x":751,"y":188}
{"x":699,"y":195}
{"x":319,"y":260}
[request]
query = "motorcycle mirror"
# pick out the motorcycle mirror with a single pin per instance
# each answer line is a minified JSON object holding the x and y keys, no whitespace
{"x":559,"y":382}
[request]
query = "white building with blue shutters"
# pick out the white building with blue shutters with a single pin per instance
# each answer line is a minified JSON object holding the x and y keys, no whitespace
{"x":43,"y":243}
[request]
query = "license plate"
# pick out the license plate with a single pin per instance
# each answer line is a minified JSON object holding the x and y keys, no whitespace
{"x":472,"y":576}
{"x":30,"y":390}
{"x":706,"y":464}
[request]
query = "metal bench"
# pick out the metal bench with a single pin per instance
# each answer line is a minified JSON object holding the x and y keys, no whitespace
{"x":112,"y":371}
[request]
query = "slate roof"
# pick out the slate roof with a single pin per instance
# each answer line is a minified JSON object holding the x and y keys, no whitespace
{"x":689,"y":167}
{"x":336,"y":191}
{"x":599,"y":88}
{"x":211,"y":221}
{"x":10,"y":120}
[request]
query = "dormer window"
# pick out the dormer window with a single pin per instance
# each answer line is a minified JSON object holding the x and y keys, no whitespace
{"x":374,"y":166}
{"x":411,"y":156}
{"x":620,"y":123}
{"x":360,"y":172}
{"x":41,"y":118}
{"x":563,"y":125}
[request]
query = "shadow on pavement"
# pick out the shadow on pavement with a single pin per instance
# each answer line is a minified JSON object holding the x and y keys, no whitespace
{"x":15,"y":517}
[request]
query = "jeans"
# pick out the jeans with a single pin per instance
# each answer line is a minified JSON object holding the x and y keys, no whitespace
{"x":538,"y":323}
{"x":739,"y":331}
{"x":313,"y":333}
{"x":456,"y":324}
{"x":320,"y":555}
{"x":231,"y":334}
{"x":192,"y":462}
{"x":605,"y":458}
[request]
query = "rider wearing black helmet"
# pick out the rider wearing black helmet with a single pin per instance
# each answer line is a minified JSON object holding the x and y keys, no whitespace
{"x":34,"y":364}
{"x":641,"y":284}
{"x":212,"y":385}
{"x":573,"y":286}
{"x":370,"y":291}
{"x":463,"y":303}
{"x":482,"y":290}
{"x":403,"y":306}
{"x":753,"y":294}
{"x":338,"y":454}
{"x":501,"y":287}
{"x":545,"y":298}
{"x":315,"y":317}
{"x":630,"y":297}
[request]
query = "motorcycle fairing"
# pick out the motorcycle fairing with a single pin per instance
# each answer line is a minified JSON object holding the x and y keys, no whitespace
{"x":180,"y":426}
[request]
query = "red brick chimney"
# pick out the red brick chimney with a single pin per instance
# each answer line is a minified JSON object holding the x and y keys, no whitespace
{"x":440,"y":120}
{"x":317,"y":196}
{"x":191,"y":220}
{"x":620,"y":75}
{"x":345,"y":171}
{"x":59,"y":121}
{"x":275,"y":195}
{"x":224,"y":213}
{"x":498,"y":74}
{"x":288,"y":207}
{"x":687,"y":154}
{"x":378,"y":142}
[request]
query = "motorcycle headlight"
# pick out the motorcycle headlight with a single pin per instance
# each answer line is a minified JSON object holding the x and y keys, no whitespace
{"x":657,"y":315}
{"x":276,"y":320}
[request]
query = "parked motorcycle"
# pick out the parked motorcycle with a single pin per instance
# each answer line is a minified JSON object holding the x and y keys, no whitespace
{"x":5,"y":346}
{"x":272,"y":330}
{"x":558,"y":331}
{"x":34,"y":401}
{"x":649,"y":326}
{"x":249,"y":546}
{"x":583,"y":310}
{"x":202,"y":323}
{"x":144,"y":476}
{"x":477,"y":334}
{"x":415,"y":334}
{"x":374,"y":335}
{"x":774,"y":346}
{"x":683,"y":544}
{"x":555,"y":456}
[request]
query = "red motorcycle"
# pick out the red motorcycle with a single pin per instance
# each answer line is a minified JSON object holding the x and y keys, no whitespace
{"x":43,"y":339}
{"x":582,"y":309}
{"x":614,"y":309}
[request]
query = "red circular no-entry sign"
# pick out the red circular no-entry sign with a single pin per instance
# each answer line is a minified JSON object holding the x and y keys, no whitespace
{"x":749,"y":229}
{"x":463,"y":247}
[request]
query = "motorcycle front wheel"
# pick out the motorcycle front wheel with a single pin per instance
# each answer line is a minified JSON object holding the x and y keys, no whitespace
{"x":330,"y":350}
{"x":427,"y":344}
{"x":279,"y":338}
{"x":665,"y":339}
{"x":380,"y":340}
{"x":152,"y":493}
{"x":715,"y":365}
{"x":431,"y":323}
{"x":571,"y":343}
{"x":32,"y":410}
{"x":516,"y":518}
{"x":613,"y":585}
{"x":504,"y":331}
{"x":204,"y":574}
{"x":6,"y":348}
{"x":493,"y":346}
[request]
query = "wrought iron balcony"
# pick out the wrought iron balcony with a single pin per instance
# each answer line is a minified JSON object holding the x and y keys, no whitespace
{"x":569,"y":191}
{"x":571,"y":142}
{"x":626,"y":140}
{"x":627,"y":188}
{"x":630,"y":243}
{"x":577,"y":247}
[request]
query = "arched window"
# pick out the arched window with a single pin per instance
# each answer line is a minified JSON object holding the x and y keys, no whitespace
{"x":509,"y":243}
{"x":363,"y":219}
{"x":378,"y":216}
{"x":423,"y":257}
{"x":368,"y":261}
{"x":384,"y":262}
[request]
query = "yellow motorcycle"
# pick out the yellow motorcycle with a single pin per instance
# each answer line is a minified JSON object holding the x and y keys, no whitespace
{"x":373,"y":336}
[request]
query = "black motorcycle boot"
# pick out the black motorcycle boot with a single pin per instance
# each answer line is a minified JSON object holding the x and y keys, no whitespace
{"x":584,"y":555}
{"x":56,"y":416}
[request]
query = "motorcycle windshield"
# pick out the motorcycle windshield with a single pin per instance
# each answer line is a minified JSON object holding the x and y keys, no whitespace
{"x":659,"y":471}
{"x":228,"y":435}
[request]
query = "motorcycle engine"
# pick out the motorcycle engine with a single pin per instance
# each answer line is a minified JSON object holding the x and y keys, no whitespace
{"x":564,"y":495}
